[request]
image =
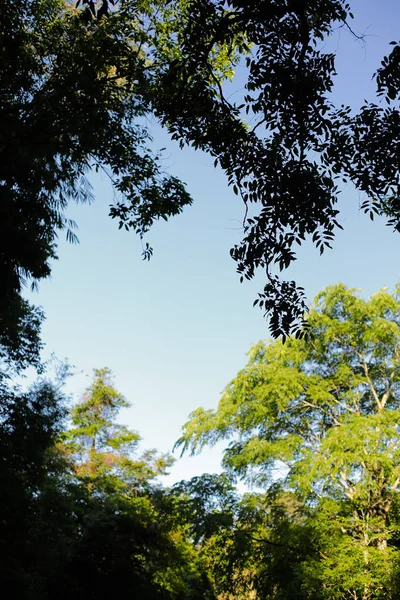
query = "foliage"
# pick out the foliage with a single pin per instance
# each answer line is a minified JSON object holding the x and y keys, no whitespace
{"x":102,"y":449}
{"x":122,"y":531}
{"x":78,"y":79}
{"x":81,"y":515}
{"x":72,"y":99}
{"x":20,"y":343}
{"x":34,"y":503}
{"x":205,"y":504}
{"x":318,"y":420}
{"x":288,"y":166}
{"x":220,"y":526}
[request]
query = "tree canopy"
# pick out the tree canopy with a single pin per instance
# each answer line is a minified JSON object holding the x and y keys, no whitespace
{"x":77,"y":79}
{"x":312,"y":423}
{"x":287,"y":167}
{"x":103,"y":449}
{"x":82,"y":511}
{"x":71,"y":100}
{"x":316,"y":423}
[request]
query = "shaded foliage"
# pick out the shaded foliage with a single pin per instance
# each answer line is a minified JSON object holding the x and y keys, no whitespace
{"x":78,"y":78}
{"x":20,"y":342}
{"x":74,"y":522}
{"x":71,"y":99}
{"x":287,"y":166}
{"x":34,"y":508}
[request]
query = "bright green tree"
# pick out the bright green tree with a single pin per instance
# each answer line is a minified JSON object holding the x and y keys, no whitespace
{"x":123,"y":539}
{"x":104,"y":450}
{"x":318,"y":419}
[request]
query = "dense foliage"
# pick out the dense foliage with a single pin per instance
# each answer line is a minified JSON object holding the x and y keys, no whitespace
{"x":315,"y":424}
{"x":80,"y":510}
{"x":76,"y":80}
{"x":312,"y":423}
{"x":72,"y":96}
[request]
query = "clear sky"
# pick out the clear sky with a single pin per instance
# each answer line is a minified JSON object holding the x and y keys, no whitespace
{"x":175,"y":330}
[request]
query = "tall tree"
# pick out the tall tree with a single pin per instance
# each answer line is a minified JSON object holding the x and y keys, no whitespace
{"x":80,"y":515}
{"x":123,"y":540}
{"x":102,"y":449}
{"x":37,"y":499}
{"x":318,"y":419}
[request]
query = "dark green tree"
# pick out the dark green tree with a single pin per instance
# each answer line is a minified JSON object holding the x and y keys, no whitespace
{"x":85,"y":518}
{"x":20,"y":342}
{"x":37,"y":524}
{"x":287,"y":167}
{"x":77,"y":80}
{"x":213,"y":514}
{"x":72,"y":96}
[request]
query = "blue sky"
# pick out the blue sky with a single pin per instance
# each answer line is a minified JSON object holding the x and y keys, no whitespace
{"x":175,"y":330}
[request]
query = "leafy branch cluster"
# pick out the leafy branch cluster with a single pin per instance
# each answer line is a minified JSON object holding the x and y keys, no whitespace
{"x":79,"y":79}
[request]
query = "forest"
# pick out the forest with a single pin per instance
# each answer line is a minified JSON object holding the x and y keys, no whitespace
{"x":306,"y":505}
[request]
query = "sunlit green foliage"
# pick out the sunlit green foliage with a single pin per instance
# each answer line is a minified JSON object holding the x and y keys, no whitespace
{"x":104,"y":450}
{"x":318,"y":420}
{"x":124,"y":531}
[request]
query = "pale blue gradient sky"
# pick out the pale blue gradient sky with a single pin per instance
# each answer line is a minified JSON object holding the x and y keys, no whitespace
{"x":175,"y":330}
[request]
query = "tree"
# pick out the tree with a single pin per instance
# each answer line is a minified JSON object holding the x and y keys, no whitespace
{"x":20,"y":343}
{"x":83,"y":518}
{"x":38,"y":521}
{"x":318,"y":420}
{"x":122,"y":540}
{"x":76,"y":82}
{"x":219,"y":524}
{"x":71,"y":99}
{"x":289,"y":163}
{"x":97,"y":68}
{"x":103,"y":450}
